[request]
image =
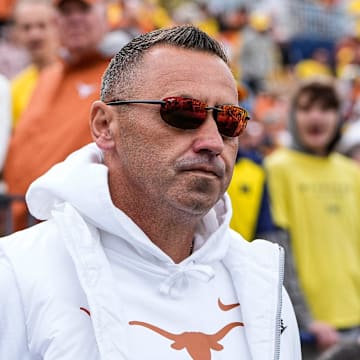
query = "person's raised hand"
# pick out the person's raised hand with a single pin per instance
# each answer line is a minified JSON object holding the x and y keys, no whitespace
{"x":325,"y":334}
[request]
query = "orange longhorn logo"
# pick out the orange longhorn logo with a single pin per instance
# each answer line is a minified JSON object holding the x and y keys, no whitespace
{"x":197,"y":344}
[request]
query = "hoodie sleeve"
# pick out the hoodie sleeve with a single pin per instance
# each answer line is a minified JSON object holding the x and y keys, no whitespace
{"x":13,"y":341}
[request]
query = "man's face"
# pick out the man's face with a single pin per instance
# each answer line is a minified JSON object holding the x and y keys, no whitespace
{"x":186,"y":170}
{"x":36,"y":29}
{"x":82,"y":26}
{"x":316,"y":125}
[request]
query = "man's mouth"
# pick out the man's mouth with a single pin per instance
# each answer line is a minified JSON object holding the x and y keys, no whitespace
{"x":213,"y":167}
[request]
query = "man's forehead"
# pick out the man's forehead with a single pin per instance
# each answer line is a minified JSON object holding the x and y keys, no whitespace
{"x":30,"y":9}
{"x":178,"y":71}
{"x":172,"y":56}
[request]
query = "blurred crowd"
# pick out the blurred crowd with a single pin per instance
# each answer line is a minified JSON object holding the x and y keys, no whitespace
{"x":53,"y":53}
{"x":271,"y":45}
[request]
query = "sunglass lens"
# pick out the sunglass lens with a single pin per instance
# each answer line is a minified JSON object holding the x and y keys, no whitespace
{"x":231,"y":120}
{"x":183,"y":113}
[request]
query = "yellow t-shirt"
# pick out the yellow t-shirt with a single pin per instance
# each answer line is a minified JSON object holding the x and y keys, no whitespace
{"x":318,"y":201}
{"x":22,"y":87}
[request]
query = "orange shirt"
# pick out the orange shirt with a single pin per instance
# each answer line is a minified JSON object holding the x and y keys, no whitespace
{"x":55,"y":123}
{"x":6,"y":7}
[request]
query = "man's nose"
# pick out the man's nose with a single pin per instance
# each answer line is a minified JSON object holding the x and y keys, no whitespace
{"x":208,"y":137}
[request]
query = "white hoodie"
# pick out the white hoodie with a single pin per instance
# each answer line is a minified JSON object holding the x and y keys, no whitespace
{"x":89,"y":284}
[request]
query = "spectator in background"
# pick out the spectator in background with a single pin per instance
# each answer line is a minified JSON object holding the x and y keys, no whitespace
{"x":231,"y":25}
{"x":5,"y":123}
{"x":315,"y":198}
{"x":318,"y":64}
{"x":248,"y":190}
{"x":35,"y":29}
{"x":5,"y":128}
{"x":259,"y":56}
{"x":56,"y":120}
{"x":13,"y":57}
{"x":345,"y":351}
{"x":347,"y":57}
{"x":270,"y":109}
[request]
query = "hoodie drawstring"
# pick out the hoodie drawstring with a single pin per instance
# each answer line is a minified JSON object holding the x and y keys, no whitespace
{"x":178,"y":281}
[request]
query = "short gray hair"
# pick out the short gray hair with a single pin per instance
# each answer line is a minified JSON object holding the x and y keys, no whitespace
{"x":118,"y":76}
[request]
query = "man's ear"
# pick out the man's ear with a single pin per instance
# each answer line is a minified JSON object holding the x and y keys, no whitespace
{"x":101,"y":117}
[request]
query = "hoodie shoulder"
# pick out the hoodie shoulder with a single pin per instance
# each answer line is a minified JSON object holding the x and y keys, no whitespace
{"x":33,"y":246}
{"x":257,"y":249}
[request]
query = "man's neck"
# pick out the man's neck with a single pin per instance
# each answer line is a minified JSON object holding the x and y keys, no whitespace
{"x":173,"y":238}
{"x":170,"y":229}
{"x":172,"y":233}
{"x":80,"y":57}
{"x":40,"y":64}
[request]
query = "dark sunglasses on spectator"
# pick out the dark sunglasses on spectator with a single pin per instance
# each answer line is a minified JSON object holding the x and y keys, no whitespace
{"x":188,"y":113}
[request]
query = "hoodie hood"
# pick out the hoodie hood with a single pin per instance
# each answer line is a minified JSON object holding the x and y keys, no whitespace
{"x":82,"y":181}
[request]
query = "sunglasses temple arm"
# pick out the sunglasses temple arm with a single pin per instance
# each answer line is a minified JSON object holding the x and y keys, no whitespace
{"x":124,"y":102}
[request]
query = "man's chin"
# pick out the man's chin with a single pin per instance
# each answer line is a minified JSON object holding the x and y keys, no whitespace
{"x":197,"y":205}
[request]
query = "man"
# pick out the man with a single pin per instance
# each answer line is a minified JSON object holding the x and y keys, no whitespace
{"x":35,"y":29}
{"x":136,"y":259}
{"x":55,"y":122}
{"x":315,"y":198}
